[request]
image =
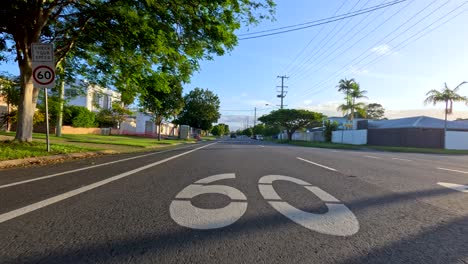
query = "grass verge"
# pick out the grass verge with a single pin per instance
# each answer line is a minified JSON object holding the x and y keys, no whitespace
{"x":15,"y":150}
{"x":370,"y":147}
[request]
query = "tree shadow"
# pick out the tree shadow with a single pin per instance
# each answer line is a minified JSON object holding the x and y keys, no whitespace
{"x":444,"y":243}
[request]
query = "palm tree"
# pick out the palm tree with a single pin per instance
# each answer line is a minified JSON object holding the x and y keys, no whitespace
{"x":345,"y":85}
{"x":357,"y":93}
{"x":446,"y":95}
{"x":353,"y":91}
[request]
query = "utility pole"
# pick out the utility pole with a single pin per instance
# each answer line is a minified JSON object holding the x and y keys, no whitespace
{"x":283,"y":93}
{"x":255,"y":116}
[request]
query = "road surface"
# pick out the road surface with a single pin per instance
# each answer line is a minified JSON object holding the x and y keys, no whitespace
{"x":238,"y":201}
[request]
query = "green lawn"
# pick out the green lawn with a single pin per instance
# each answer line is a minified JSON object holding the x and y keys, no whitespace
{"x":131,"y":141}
{"x":14,"y":150}
{"x":369,"y":147}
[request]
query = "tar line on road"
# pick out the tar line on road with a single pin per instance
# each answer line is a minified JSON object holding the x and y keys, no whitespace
{"x":35,"y":206}
{"x":87,"y":168}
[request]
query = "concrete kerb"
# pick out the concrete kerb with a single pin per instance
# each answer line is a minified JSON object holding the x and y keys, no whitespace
{"x":47,"y":159}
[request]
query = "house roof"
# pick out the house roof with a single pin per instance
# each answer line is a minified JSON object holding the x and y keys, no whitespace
{"x":418,"y":122}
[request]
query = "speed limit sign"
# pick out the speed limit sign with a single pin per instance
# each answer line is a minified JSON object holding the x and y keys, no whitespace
{"x":44,"y":76}
{"x":43,"y":65}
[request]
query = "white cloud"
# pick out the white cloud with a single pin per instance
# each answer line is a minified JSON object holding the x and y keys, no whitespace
{"x":244,"y":94}
{"x":328,"y":108}
{"x":383,"y":49}
{"x":355,"y":70}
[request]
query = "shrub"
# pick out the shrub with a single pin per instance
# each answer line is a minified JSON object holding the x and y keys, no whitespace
{"x":78,"y":116}
{"x":329,"y":128}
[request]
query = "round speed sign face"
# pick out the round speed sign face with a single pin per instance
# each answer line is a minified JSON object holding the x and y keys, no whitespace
{"x":43,"y":75}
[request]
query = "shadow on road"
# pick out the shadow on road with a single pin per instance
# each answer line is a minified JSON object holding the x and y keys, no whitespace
{"x":444,"y":243}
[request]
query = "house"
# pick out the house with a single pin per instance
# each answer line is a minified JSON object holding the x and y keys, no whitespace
{"x":146,"y":126}
{"x":3,"y":111}
{"x":344,"y":122}
{"x":418,"y":131}
{"x":93,"y":97}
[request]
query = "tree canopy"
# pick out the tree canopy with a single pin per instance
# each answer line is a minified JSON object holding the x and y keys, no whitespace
{"x":201,"y":109}
{"x":292,"y":119}
{"x":375,"y":111}
{"x":120,"y":42}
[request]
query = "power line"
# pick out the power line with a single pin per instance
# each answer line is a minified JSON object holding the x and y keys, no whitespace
{"x":283,"y":93}
{"x":326,"y":39}
{"x":314,"y":21}
{"x":305,"y":66}
{"x":399,"y":46}
{"x":311,"y":40}
{"x":326,"y":22}
{"x":368,"y":34}
{"x":353,"y":61}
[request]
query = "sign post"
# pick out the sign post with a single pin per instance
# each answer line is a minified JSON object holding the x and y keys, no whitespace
{"x":44,"y":74}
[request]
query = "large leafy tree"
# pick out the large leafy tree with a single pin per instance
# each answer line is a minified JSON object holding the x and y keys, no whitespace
{"x":292,"y":119}
{"x":447,"y":96}
{"x":218,"y":130}
{"x":117,"y":42}
{"x":375,"y":111}
{"x":162,"y":98}
{"x":10,"y":91}
{"x":201,"y":109}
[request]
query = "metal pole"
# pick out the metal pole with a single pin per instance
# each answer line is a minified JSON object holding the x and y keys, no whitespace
{"x":47,"y":119}
{"x":255,"y":116}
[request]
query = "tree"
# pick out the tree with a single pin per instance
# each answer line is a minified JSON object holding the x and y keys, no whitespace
{"x":352,"y":92}
{"x":292,"y":119}
{"x":78,"y":116}
{"x":218,"y":130}
{"x":10,"y":91}
{"x":201,"y":109}
{"x":227,"y":131}
{"x":329,"y":128}
{"x":447,"y":96}
{"x":375,"y":111}
{"x":120,"y":41}
{"x":163,"y":99}
{"x":259,"y":129}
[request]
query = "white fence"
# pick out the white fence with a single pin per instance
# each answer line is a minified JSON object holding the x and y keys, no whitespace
{"x":355,"y":137}
{"x":311,"y":136}
{"x":456,"y":140}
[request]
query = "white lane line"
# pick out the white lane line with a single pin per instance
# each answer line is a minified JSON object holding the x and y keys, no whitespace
{"x":453,"y":186}
{"x":262,"y":146}
{"x":35,"y":206}
{"x":85,"y":168}
{"x":459,"y":171}
{"x":316,"y":164}
{"x":401,"y":159}
{"x":372,"y":157}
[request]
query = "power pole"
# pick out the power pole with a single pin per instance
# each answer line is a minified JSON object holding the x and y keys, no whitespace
{"x":283,"y":93}
{"x":255,"y":116}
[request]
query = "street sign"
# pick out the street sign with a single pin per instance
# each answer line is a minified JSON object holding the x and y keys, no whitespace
{"x":43,"y":65}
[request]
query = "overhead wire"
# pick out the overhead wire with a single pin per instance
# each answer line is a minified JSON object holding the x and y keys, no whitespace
{"x":400,"y":46}
{"x":325,"y":22}
{"x":343,"y":69}
{"x":338,"y":40}
{"x":311,"y":40}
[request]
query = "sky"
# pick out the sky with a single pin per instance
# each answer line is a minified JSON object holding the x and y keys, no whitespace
{"x":408,"y":67}
{"x":381,"y":50}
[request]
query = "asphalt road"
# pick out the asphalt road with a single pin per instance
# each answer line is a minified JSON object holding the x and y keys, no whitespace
{"x":238,"y":201}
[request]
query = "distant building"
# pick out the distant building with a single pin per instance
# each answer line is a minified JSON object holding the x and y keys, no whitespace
{"x":93,"y":97}
{"x":3,"y":111}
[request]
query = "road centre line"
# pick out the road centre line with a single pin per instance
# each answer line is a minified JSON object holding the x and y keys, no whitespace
{"x":465,"y":172}
{"x":372,"y":157}
{"x":316,"y":164}
{"x":401,"y":159}
{"x":87,"y":168}
{"x":35,"y":206}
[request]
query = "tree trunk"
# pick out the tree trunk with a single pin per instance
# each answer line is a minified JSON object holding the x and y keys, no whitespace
{"x":26,"y":107}
{"x":445,"y":122}
{"x":290,"y":133}
{"x":58,"y":125}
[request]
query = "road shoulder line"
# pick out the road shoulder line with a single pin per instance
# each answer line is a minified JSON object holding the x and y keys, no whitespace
{"x":38,"y":205}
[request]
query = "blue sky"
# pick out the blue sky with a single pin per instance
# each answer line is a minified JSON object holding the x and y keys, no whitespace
{"x":246,"y":77}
